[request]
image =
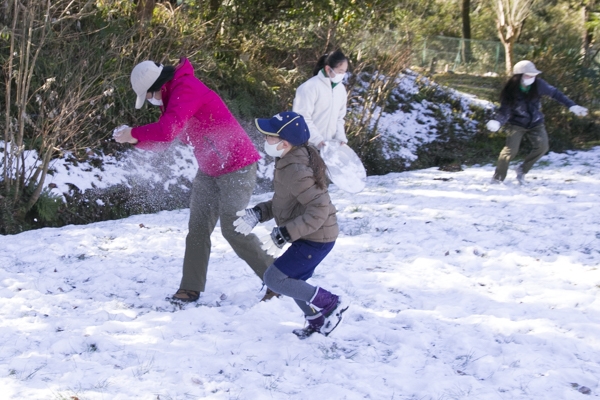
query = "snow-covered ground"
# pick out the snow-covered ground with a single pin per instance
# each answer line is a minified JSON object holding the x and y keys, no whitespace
{"x":459,"y":289}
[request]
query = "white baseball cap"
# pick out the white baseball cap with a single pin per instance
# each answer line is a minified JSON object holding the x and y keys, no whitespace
{"x":525,"y":67}
{"x":143,"y":77}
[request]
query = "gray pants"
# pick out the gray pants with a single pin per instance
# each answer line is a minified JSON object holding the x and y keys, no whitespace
{"x":539,"y":141}
{"x":214,"y":198}
{"x":297,"y":289}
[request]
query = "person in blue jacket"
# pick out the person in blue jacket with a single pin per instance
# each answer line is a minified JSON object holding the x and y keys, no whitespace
{"x":520,"y":110}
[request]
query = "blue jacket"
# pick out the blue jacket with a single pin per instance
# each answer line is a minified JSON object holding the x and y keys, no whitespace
{"x":528,"y":113}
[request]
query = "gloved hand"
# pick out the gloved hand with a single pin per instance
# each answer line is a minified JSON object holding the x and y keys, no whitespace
{"x":117,"y":132}
{"x":493,"y":125}
{"x":249,"y":218}
{"x":274,"y":243}
{"x":122,"y":134}
{"x":579,"y":111}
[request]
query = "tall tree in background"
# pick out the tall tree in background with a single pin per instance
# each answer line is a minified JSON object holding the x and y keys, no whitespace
{"x":510,"y":17}
{"x":144,"y":9}
{"x":466,"y":29}
{"x":589,"y":23}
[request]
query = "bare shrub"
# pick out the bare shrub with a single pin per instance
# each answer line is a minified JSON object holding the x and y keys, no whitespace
{"x":50,"y":100}
{"x":378,"y":62}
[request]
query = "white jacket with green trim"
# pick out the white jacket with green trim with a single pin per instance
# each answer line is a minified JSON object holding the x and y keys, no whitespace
{"x":323,"y":108}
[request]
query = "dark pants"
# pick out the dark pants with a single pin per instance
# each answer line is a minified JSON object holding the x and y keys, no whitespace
{"x":539,"y":141}
{"x":215,"y":198}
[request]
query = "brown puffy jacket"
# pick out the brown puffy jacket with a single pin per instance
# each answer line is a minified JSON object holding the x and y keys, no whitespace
{"x":298,"y":204}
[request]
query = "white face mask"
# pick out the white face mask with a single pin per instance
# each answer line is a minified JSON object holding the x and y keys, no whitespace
{"x":527,"y":82}
{"x":337,"y":78}
{"x":271,"y":149}
{"x":155,"y":102}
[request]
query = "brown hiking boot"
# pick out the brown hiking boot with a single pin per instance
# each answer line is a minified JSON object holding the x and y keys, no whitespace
{"x":269,"y":295}
{"x":186,"y":296}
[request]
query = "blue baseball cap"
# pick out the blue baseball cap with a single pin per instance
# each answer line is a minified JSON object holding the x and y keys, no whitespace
{"x":287,"y":125}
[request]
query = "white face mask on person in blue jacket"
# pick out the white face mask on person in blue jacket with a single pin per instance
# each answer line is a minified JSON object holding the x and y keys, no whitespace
{"x":527,"y":81}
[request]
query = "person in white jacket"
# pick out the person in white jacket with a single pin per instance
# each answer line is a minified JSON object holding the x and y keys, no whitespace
{"x":322,"y":99}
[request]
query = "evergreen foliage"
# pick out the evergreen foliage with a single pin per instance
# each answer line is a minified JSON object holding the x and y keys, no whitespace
{"x":254,"y":53}
{"x":47,"y":206}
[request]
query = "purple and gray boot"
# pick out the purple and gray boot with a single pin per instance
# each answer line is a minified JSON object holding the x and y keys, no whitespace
{"x":329,"y":316}
{"x":326,"y":301}
{"x":332,"y":307}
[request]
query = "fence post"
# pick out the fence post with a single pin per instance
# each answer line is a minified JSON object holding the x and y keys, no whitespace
{"x":424,"y":52}
{"x":432,"y":65}
{"x":457,"y":59}
{"x":497,"y":57}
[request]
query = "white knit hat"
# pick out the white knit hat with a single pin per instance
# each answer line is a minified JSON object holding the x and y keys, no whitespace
{"x":143,"y":76}
{"x":525,"y":67}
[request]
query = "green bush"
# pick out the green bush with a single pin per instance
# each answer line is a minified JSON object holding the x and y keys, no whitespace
{"x":46,"y":208}
{"x":8,"y":221}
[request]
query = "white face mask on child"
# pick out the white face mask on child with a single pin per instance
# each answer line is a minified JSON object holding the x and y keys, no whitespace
{"x":271,"y":149}
{"x":337,"y":78}
{"x":528,"y":82}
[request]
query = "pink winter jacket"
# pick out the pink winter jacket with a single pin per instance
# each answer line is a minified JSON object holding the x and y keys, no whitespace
{"x":198,"y":117}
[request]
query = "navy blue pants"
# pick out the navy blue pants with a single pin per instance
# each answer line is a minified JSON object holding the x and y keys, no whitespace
{"x":301,"y":259}
{"x":289,"y":272}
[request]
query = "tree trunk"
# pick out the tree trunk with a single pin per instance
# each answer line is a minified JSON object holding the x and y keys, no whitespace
{"x":39,"y":185}
{"x":509,"y":51}
{"x":214,"y":6}
{"x":587,"y":32}
{"x":8,"y":134}
{"x":145,"y":8}
{"x":510,"y":17}
{"x":466,"y":30}
{"x":4,"y":10}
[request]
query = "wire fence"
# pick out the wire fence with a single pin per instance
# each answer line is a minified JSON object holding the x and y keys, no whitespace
{"x":443,"y":54}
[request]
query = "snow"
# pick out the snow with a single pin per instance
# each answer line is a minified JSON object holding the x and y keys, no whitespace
{"x":177,"y":160}
{"x":403,"y":132}
{"x":105,"y":170}
{"x":458,"y":289}
{"x":415,"y":123}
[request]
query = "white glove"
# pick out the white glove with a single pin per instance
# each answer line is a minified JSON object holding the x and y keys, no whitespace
{"x":117,"y":131}
{"x":269,"y":246}
{"x":493,"y":125}
{"x":249,"y":218}
{"x":579,"y":111}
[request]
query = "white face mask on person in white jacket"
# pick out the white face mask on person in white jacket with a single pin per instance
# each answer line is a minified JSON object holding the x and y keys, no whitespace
{"x":338,"y":78}
{"x":323,"y":108}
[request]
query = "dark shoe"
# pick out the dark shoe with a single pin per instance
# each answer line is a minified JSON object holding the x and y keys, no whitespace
{"x":269,"y":295}
{"x":186,"y":296}
{"x":325,"y":301}
{"x":304,"y":333}
{"x":315,"y":322}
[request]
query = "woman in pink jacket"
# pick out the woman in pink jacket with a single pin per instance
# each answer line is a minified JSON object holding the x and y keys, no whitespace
{"x":226,"y":158}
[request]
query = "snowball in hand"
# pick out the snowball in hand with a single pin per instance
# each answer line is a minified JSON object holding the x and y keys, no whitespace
{"x":118,"y":130}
